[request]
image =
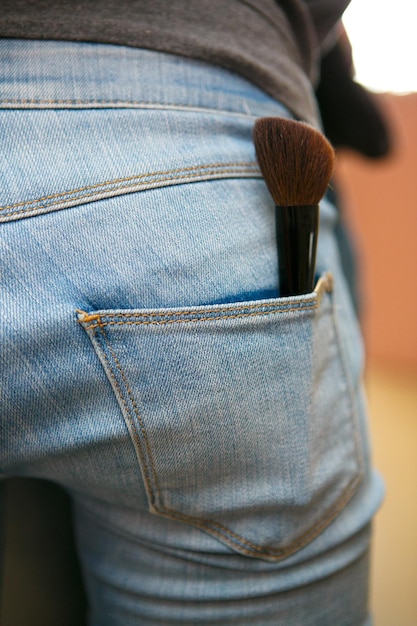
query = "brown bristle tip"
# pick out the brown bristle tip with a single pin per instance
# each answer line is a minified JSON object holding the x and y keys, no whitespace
{"x":296,"y":160}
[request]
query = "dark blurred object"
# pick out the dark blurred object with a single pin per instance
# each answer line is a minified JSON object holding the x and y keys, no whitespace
{"x":351,"y":115}
{"x":352,"y":118}
{"x":42,"y":583}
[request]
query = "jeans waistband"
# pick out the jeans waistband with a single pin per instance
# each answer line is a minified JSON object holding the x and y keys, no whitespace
{"x":66,"y":75}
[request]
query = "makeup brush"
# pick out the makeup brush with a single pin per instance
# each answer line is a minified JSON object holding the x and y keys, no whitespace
{"x":296,"y":162}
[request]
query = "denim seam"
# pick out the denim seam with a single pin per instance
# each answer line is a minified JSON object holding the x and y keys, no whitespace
{"x":226,"y":533}
{"x":121,"y":532}
{"x":255,"y":305}
{"x":325,"y":283}
{"x":222,"y":315}
{"x":198,"y":171}
{"x":27,"y":103}
{"x":142,"y":425}
{"x":136,"y":438}
{"x":180,"y":170}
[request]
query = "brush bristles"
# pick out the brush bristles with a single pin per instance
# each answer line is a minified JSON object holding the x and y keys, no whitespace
{"x":296,"y":160}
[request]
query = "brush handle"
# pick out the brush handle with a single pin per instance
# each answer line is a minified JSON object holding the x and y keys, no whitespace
{"x":297,"y":232}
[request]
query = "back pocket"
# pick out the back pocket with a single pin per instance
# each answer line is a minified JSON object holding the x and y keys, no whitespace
{"x":242,"y":415}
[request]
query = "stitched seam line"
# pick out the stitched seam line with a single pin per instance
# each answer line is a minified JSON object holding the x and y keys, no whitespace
{"x":126,"y":189}
{"x":313,"y":301}
{"x":132,"y":187}
{"x":211,"y":166}
{"x":138,"y":415}
{"x":226,"y":533}
{"x":124,"y":103}
{"x":200,"y":311}
{"x":120,"y":395}
{"x":221,"y":316}
{"x":62,"y":201}
{"x":95,"y":101}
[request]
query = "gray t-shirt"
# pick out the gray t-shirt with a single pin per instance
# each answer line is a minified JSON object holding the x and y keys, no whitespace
{"x":274,"y":44}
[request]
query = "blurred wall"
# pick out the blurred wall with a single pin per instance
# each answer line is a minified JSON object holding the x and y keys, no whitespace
{"x":381,"y":207}
{"x":380,"y":201}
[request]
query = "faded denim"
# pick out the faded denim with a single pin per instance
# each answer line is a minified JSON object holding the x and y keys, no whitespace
{"x":212,"y":434}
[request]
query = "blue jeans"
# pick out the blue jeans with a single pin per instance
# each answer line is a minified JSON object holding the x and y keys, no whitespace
{"x":212,"y":434}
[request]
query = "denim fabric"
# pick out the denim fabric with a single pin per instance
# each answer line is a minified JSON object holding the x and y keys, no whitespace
{"x":211,"y":433}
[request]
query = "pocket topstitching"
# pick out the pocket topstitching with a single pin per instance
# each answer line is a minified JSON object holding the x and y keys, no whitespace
{"x":242,"y":415}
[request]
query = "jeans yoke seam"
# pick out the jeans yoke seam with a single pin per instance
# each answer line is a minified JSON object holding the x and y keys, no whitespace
{"x":130,"y":185}
{"x":28,"y":103}
{"x":130,"y":179}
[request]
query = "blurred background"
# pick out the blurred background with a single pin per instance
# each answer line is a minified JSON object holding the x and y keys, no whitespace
{"x":379,"y":198}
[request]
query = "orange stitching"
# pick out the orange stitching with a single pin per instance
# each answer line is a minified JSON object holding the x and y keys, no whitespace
{"x":137,"y":413}
{"x":280,"y":553}
{"x":315,"y":297}
{"x":74,"y":101}
{"x":94,"y":316}
{"x":120,"y":393}
{"x":130,"y":178}
{"x":127,"y":103}
{"x":207,"y":319}
{"x":109,"y":191}
{"x":256,"y":305}
{"x":202,"y":522}
{"x":275,"y":554}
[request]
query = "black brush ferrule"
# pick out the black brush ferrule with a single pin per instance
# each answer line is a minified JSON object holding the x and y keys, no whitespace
{"x":297,"y":233}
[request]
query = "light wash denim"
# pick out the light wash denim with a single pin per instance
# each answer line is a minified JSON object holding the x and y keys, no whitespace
{"x":211,"y":433}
